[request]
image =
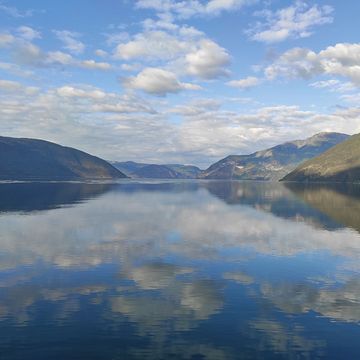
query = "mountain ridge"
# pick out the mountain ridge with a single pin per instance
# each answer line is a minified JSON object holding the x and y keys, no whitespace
{"x":157,"y":171}
{"x":340,"y":163}
{"x":275,"y":162}
{"x":37,"y":159}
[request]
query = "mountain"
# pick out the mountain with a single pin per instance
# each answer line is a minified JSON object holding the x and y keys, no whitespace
{"x":339,"y":164}
{"x":273,"y":163}
{"x":185,"y":171}
{"x":32,"y":159}
{"x":154,"y":171}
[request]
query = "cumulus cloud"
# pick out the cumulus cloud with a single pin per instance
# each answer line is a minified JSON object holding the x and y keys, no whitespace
{"x":184,"y":49}
{"x":152,"y":45}
{"x":209,"y":61}
{"x":295,"y":21}
{"x":157,"y":82}
{"x":246,"y":83}
{"x":342,"y":59}
{"x":70,"y":40}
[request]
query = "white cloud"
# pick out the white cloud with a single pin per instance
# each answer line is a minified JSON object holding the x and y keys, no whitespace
{"x":96,"y":100}
{"x":343,"y":59}
{"x":15,"y":69}
{"x":9,"y":85}
{"x":28,"y":33}
{"x":70,"y":91}
{"x":151,"y":45}
{"x":98,"y":121}
{"x":29,"y":54}
{"x":157,"y":82}
{"x":351,"y":98}
{"x":26,"y":53}
{"x":208,"y":61}
{"x":296,"y":21}
{"x":187,"y":9}
{"x":246,"y":83}
{"x":17,"y":88}
{"x":334,"y":85}
{"x":92,"y":64}
{"x":180,"y":49}
{"x":101,"y":53}
{"x":71,"y":43}
{"x":59,"y":57}
{"x":196,"y":107}
{"x":220,"y":133}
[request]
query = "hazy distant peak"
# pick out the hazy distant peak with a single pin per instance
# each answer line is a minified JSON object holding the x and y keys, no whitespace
{"x":275,"y":162}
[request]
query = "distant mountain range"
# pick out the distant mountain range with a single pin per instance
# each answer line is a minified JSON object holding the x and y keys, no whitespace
{"x":341,"y":163}
{"x":31,"y":159}
{"x":154,"y":171}
{"x":322,"y":157}
{"x":274,"y":163}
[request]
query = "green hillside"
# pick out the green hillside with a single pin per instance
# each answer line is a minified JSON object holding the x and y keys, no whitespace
{"x":339,"y":164}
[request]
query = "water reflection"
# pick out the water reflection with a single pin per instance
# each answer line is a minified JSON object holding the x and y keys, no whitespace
{"x":44,"y":196}
{"x":185,"y":270}
{"x":340,"y":202}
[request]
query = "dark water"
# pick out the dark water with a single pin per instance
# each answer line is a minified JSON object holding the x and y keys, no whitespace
{"x":182,"y":270}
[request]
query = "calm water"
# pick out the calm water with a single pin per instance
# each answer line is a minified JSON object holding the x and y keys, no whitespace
{"x":182,"y":270}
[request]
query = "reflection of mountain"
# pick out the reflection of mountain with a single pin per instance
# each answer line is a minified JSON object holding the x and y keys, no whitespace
{"x":161,"y":187}
{"x":44,"y":196}
{"x":270,"y":197}
{"x":339,"y":202}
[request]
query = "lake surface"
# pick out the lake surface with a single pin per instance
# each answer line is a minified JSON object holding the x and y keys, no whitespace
{"x":179,"y":270}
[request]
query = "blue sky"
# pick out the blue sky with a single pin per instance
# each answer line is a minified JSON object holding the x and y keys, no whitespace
{"x":187,"y":81}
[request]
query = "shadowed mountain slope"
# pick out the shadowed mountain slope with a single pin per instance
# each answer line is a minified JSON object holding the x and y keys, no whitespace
{"x":32,"y":159}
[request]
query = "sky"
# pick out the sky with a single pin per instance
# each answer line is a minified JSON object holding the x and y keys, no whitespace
{"x":178,"y":81}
